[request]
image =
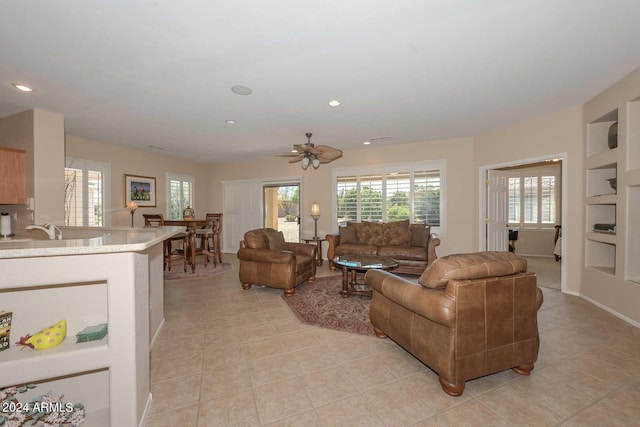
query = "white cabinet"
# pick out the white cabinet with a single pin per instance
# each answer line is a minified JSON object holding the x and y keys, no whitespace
{"x":111,"y":376}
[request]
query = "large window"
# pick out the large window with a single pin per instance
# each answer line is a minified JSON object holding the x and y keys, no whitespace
{"x":180,"y":191}
{"x":533,"y":198}
{"x":85,"y":193}
{"x":392,"y":193}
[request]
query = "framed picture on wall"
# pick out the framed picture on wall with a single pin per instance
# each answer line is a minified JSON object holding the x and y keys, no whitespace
{"x":140,"y":189}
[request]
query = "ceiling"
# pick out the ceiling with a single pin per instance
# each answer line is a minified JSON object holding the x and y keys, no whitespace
{"x":159,"y":73}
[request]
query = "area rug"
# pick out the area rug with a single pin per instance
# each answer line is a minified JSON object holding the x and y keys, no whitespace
{"x":202,"y":272}
{"x":320,"y":304}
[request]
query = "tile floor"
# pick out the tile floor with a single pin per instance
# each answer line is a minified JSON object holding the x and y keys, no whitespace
{"x":229,"y":357}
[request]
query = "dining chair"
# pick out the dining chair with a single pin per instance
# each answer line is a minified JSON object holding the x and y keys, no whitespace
{"x":157,"y":220}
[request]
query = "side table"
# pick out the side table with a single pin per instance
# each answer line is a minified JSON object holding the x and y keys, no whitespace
{"x":318,"y":241}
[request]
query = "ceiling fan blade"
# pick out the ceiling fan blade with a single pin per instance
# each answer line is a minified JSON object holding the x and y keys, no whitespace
{"x":328,"y":153}
{"x":295,"y":160}
{"x":305,"y":148}
{"x":288,"y":155}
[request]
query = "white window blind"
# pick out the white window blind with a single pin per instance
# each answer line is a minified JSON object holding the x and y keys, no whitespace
{"x":533,"y":199}
{"x":180,"y":190}
{"x":85,"y":193}
{"x":391,"y":193}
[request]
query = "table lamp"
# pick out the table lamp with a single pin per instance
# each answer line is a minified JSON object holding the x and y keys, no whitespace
{"x":132,"y":208}
{"x":315,"y":214}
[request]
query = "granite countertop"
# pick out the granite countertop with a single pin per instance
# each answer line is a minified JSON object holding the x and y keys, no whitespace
{"x":85,"y":240}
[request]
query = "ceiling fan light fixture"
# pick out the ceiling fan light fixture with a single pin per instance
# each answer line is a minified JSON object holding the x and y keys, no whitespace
{"x":305,"y":162}
{"x":315,"y":162}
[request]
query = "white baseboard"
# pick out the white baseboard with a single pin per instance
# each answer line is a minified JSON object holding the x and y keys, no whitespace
{"x":155,"y":336}
{"x":145,"y":413}
{"x":615,"y":313}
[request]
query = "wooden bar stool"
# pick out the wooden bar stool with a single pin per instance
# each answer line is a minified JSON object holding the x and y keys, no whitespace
{"x":157,"y":220}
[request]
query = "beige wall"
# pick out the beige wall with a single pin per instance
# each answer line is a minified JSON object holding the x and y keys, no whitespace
{"x":317,"y":184}
{"x":558,"y":132}
{"x":137,"y":162}
{"x":41,"y":134}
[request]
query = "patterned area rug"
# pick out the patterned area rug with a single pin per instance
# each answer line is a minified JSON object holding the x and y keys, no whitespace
{"x":202,"y":272}
{"x":320,"y":304}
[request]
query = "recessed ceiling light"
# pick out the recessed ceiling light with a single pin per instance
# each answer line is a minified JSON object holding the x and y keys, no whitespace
{"x":230,"y":122}
{"x":334,"y":103}
{"x":241,"y":90}
{"x":22,"y":87}
{"x":366,"y":143}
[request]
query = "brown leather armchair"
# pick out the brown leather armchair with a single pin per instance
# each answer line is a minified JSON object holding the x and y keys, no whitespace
{"x":266,"y":259}
{"x":470,"y":315}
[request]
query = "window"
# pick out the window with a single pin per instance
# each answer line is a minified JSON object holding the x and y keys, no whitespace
{"x":180,"y":191}
{"x":391,"y":193}
{"x":86,"y":192}
{"x":533,"y":198}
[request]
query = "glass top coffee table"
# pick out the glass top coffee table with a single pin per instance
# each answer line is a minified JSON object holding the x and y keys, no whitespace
{"x":355,"y":264}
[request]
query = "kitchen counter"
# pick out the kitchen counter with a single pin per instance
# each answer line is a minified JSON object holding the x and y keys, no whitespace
{"x":92,"y":276}
{"x":85,"y":240}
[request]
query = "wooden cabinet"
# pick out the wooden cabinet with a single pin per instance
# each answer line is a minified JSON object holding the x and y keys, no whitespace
{"x":12,"y":177}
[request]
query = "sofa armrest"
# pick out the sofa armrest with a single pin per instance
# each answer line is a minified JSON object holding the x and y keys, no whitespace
{"x":334,"y":240}
{"x":432,"y":304}
{"x":431,"y":249}
{"x":302,"y":249}
{"x":266,"y":255}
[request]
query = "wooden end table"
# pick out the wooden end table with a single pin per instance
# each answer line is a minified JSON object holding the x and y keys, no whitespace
{"x":318,"y":241}
{"x":354,"y":264}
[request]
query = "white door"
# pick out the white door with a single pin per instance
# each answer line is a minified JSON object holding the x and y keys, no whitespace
{"x":242,"y":212}
{"x":497,"y":211}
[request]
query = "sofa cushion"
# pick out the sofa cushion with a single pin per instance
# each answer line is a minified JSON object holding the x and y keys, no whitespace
{"x":351,"y":249}
{"x":347,"y":234}
{"x":256,"y":239}
{"x":275,"y":239}
{"x":370,"y":233}
{"x":420,"y":235}
{"x":471,"y":266}
{"x":396,"y":233}
{"x":403,"y":252}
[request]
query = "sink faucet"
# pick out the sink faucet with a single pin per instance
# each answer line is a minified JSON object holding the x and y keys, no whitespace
{"x":50,"y":229}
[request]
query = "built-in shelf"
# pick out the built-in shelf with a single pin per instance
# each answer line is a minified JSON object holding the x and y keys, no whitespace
{"x":598,"y":133}
{"x":600,"y":254}
{"x":609,"y":238}
{"x":608,"y":199}
{"x":599,"y":180}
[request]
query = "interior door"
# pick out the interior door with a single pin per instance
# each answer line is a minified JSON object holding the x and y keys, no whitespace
{"x":242,"y":212}
{"x":497,"y":211}
{"x":282,"y":209}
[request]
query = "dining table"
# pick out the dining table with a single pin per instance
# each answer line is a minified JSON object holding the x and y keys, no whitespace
{"x":191,"y":226}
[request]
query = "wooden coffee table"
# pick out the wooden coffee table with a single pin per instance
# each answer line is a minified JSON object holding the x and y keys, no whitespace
{"x":355,"y":264}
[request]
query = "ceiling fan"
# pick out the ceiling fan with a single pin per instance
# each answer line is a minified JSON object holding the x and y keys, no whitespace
{"x":312,"y":154}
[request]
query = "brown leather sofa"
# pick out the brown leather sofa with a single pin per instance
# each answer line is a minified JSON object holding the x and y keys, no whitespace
{"x":266,"y":259}
{"x":412,"y":246}
{"x":470,"y":315}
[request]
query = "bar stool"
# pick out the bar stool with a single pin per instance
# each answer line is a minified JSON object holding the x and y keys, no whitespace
{"x":157,"y":220}
{"x":211,"y":232}
{"x":212,"y":245}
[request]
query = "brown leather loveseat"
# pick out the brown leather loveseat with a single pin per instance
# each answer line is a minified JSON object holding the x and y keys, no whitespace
{"x":412,"y":246}
{"x":266,"y":259}
{"x":470,"y":315}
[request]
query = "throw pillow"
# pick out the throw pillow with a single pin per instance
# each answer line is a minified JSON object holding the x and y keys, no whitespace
{"x":275,"y":238}
{"x":420,"y":235}
{"x":370,"y":233}
{"x":396,"y":233}
{"x":347,"y":234}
